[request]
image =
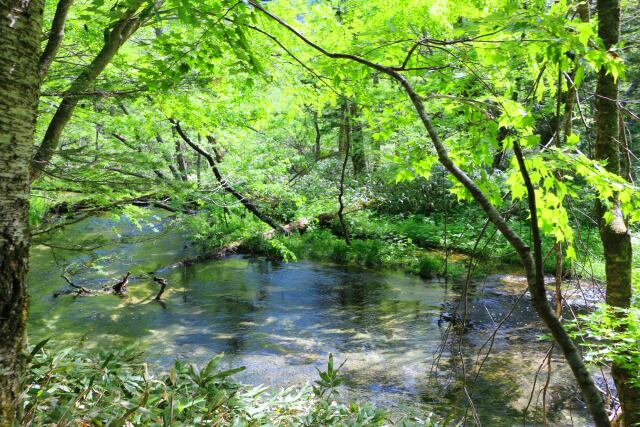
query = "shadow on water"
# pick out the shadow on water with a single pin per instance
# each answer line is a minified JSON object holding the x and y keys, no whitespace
{"x":282,"y":320}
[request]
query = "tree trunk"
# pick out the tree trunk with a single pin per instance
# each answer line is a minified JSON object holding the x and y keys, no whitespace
{"x":358,"y":154}
{"x":316,"y":127}
{"x":56,"y":34}
{"x":351,"y":138}
{"x":182,"y":164}
{"x":167,"y":158}
{"x":20,"y":32}
{"x":343,"y":129}
{"x":615,"y":235}
{"x":343,"y":223}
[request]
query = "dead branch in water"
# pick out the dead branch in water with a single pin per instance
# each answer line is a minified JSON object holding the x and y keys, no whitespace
{"x":81,"y":289}
{"x":120,"y":288}
{"x":163,"y":284}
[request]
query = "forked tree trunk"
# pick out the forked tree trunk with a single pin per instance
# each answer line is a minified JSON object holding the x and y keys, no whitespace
{"x":615,"y":235}
{"x":20,"y":32}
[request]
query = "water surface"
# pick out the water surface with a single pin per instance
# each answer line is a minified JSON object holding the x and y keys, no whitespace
{"x":400,"y":335}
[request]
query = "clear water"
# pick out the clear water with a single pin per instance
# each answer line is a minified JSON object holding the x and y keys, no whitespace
{"x":282,"y":320}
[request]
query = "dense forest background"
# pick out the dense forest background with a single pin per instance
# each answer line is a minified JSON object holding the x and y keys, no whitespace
{"x":450,"y":140}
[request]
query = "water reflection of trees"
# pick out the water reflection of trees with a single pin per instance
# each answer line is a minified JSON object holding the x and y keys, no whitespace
{"x":301,"y":312}
{"x":488,"y":354}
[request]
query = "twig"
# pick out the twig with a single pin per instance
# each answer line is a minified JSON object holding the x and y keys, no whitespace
{"x":73,"y":285}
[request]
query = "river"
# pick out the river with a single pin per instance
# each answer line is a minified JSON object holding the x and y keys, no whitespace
{"x":281,"y":320}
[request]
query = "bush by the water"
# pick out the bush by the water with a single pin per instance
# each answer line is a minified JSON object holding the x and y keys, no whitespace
{"x":429,"y":266}
{"x":92,"y":388}
{"x":393,"y":252}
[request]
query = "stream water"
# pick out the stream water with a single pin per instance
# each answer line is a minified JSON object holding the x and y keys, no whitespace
{"x":282,"y":320}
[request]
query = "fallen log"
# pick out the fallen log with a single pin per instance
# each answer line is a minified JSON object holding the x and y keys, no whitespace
{"x":120,"y":288}
{"x":78,"y":290}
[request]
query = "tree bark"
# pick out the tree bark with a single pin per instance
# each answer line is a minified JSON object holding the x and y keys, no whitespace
{"x":615,"y":235}
{"x":20,"y":32}
{"x":342,"y":130}
{"x":182,"y":164}
{"x":316,"y":126}
{"x":356,"y":139}
{"x":350,"y":137}
{"x":130,"y":21}
{"x":167,"y":158}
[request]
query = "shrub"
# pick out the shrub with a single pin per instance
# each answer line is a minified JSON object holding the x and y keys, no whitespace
{"x":339,"y":251}
{"x":276,"y":248}
{"x":367,"y":252}
{"x":609,"y":335}
{"x":429,"y":266}
{"x":78,"y":387}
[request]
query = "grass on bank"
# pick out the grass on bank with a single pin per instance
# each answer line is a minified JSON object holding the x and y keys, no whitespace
{"x":319,"y":244}
{"x":415,"y":243}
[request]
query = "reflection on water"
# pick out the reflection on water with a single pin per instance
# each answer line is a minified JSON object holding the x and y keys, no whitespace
{"x":281,"y":321}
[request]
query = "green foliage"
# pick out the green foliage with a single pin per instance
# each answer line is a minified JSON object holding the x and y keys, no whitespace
{"x":111,"y":388}
{"x":612,"y":335}
{"x":271,"y":111}
{"x":207,"y":65}
{"x":273,"y":248}
{"x":377,"y":251}
{"x":38,"y":207}
{"x":330,"y":379}
{"x":367,"y":252}
{"x":77,"y":387}
{"x":339,"y":250}
{"x":213,"y":229}
{"x":282,"y":251}
{"x":464,"y":224}
{"x":429,"y":266}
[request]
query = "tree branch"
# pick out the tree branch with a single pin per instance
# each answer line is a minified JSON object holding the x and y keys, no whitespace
{"x":56,"y":34}
{"x":224,"y":183}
